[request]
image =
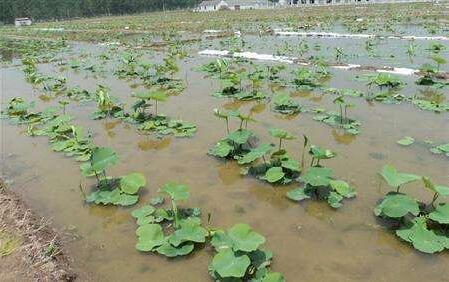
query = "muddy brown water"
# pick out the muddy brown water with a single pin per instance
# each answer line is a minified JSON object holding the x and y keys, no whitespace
{"x":311,"y":241}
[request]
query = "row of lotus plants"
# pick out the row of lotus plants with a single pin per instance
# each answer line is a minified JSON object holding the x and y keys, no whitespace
{"x":276,"y":165}
{"x":172,"y":231}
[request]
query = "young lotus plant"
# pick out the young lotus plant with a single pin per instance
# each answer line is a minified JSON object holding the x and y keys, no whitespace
{"x":122,"y":190}
{"x":183,"y":226}
{"x":318,"y":183}
{"x":318,"y":154}
{"x":423,"y":225}
{"x":280,"y":168}
{"x":240,"y":256}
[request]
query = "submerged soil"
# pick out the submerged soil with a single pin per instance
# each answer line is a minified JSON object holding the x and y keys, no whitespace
{"x":29,"y":248}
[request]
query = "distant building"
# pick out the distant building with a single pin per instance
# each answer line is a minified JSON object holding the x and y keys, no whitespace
{"x":22,"y":21}
{"x":215,"y":5}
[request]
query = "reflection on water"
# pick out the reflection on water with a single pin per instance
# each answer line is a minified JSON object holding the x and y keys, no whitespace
{"x":258,"y":108}
{"x":229,"y":172}
{"x":157,"y":144}
{"x":341,"y":137}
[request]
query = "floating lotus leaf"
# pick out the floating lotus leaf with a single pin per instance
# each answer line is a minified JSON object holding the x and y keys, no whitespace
{"x":280,"y":133}
{"x":342,"y":188}
{"x":220,"y":240}
{"x":334,"y":199}
{"x":149,"y":236}
{"x":131,"y":183}
{"x":244,"y":238}
{"x":227,"y":264}
{"x":103,"y":158}
{"x":256,"y":153}
{"x":406,"y":141}
{"x":318,"y":176}
{"x":273,"y":277}
{"x":143,"y":211}
{"x":274,"y":174}
{"x":169,"y":251}
{"x":190,"y":231}
{"x":240,"y":136}
{"x":396,"y":206}
{"x":297,"y":194}
{"x":395,"y":178}
{"x":221,"y":149}
{"x":261,"y":259}
{"x":423,"y":239}
{"x":440,"y":214}
{"x":114,"y":197}
{"x":176,"y":191}
{"x":157,"y":200}
{"x":442,"y":190}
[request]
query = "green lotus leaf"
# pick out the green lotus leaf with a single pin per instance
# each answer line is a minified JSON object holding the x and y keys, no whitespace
{"x":273,"y":277}
{"x":149,"y":236}
{"x":157,"y":200}
{"x":260,"y":259}
{"x":158,"y":96}
{"x":190,"y":231}
{"x":146,"y":220}
{"x":240,"y":136}
{"x":114,"y":197}
{"x":169,"y":251}
{"x":280,"y":133}
{"x":221,"y":240}
{"x":103,"y":158}
{"x":423,"y":239}
{"x":334,"y":199}
{"x":255,"y":153}
{"x":442,"y":190}
{"x":221,"y":149}
{"x":161,"y":215}
{"x":131,"y":183}
{"x":318,"y":176}
{"x":86,"y":170}
{"x":274,"y":174}
{"x":297,"y":194}
{"x":291,"y":164}
{"x":244,"y":238}
{"x":406,"y":141}
{"x":396,"y":206}
{"x":440,"y":214}
{"x":395,"y":178}
{"x":320,"y":153}
{"x":342,"y":188}
{"x":176,"y":191}
{"x":143,"y":211}
{"x":227,"y":264}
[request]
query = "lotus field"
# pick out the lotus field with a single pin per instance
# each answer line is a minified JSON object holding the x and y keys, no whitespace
{"x":299,"y":144}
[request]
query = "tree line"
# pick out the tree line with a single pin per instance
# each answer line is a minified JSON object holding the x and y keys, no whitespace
{"x":64,"y":9}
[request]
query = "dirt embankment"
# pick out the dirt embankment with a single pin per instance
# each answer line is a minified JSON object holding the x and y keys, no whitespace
{"x":30,"y":250}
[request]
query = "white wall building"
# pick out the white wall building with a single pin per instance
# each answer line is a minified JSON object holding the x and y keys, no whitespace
{"x":215,"y":5}
{"x":22,"y":21}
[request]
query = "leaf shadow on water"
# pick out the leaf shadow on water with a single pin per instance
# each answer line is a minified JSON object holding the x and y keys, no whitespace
{"x":229,"y":172}
{"x":151,"y":144}
{"x":275,"y":196}
{"x":258,"y":108}
{"x":111,"y":215}
{"x":343,"y":138}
